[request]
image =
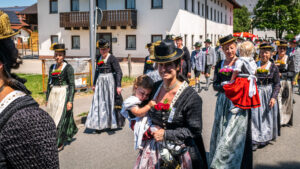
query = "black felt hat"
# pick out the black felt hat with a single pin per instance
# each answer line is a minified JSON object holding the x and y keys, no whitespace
{"x":165,"y":51}
{"x":227,"y":39}
{"x":58,"y":47}
{"x":266,"y":46}
{"x":102,"y":44}
{"x":282,"y":43}
{"x":198,"y":44}
{"x":207,"y":41}
{"x":148,"y":45}
{"x":170,"y":37}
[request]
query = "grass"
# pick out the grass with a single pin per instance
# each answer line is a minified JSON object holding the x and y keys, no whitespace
{"x":84,"y":114}
{"x":35,"y":85}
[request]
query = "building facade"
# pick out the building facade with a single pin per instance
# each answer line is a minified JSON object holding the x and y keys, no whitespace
{"x":130,"y":24}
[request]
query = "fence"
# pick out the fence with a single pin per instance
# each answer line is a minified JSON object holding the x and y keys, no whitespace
{"x":82,"y":71}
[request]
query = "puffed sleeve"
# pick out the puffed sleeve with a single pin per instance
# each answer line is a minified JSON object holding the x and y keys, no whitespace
{"x":192,"y":113}
{"x":276,"y":80}
{"x":116,"y":70}
{"x":238,"y":65}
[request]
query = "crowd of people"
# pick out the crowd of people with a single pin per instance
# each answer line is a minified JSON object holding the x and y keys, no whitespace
{"x":253,"y":80}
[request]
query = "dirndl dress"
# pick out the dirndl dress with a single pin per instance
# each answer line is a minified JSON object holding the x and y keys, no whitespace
{"x":285,"y":100}
{"x":102,"y":114}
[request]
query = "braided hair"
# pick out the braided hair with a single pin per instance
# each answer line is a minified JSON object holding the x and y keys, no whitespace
{"x":11,"y":60}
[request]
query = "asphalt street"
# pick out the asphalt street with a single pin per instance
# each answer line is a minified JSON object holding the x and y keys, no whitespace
{"x":114,"y":149}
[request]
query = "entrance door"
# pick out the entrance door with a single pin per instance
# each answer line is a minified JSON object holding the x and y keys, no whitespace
{"x":106,"y":36}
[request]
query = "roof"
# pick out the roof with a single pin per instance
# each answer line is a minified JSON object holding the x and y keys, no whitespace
{"x":15,"y":9}
{"x":30,"y":10}
{"x":13,"y":17}
{"x":234,"y":3}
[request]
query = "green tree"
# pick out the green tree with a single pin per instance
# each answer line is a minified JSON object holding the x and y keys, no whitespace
{"x":278,"y":15}
{"x":241,"y":20}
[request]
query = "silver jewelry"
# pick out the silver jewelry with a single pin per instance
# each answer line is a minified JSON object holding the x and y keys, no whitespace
{"x":169,"y":88}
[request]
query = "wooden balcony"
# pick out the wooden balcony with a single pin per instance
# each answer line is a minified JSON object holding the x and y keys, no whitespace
{"x":110,"y":18}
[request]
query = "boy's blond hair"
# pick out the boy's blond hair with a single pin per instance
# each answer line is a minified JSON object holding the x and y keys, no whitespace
{"x":247,"y":49}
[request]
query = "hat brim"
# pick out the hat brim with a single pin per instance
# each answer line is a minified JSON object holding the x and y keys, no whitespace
{"x":60,"y":50}
{"x":8,"y":36}
{"x":171,"y":59}
{"x":267,"y":47}
{"x":229,"y":41}
{"x":283,"y":45}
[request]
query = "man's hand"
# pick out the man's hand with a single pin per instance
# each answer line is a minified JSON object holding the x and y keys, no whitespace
{"x":189,"y":75}
{"x":159,"y":135}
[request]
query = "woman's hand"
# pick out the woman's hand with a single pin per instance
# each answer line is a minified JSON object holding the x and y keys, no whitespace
{"x":189,"y":75}
{"x":69,"y":106}
{"x":272,"y":102}
{"x":159,"y":135}
{"x":119,"y":90}
{"x":93,"y":88}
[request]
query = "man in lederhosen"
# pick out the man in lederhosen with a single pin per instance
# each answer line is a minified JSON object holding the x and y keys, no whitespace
{"x":210,"y":60}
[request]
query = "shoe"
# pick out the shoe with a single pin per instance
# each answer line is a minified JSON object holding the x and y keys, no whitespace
{"x":254,"y":147}
{"x":61,"y":148}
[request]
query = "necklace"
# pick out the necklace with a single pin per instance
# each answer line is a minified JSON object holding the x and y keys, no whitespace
{"x":171,"y":87}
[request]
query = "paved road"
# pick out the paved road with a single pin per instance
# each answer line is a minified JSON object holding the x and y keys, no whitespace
{"x":114,"y":150}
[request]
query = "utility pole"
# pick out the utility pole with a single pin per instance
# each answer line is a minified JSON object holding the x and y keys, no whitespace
{"x":92,"y":35}
{"x":206,"y":16}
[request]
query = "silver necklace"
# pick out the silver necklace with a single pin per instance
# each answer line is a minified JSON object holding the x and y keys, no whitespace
{"x":171,"y":87}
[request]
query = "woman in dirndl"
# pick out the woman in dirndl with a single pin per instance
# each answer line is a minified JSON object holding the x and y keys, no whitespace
{"x":177,"y":142}
{"x":107,"y":87}
{"x":265,"y":119}
{"x":60,"y":96}
{"x":286,"y":68}
{"x":231,"y":143}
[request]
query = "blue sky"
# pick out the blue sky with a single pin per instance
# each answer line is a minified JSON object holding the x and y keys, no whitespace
{"x":12,"y":3}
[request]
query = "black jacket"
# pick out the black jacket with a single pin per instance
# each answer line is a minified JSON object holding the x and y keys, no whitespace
{"x":187,"y":57}
{"x":186,"y":126}
{"x":27,"y":136}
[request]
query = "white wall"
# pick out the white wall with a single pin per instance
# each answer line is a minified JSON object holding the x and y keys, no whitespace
{"x":172,"y":19}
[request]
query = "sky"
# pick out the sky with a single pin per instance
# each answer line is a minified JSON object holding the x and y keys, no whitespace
{"x":12,"y":3}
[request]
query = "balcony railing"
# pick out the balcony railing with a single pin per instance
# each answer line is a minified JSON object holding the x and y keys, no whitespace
{"x":110,"y":18}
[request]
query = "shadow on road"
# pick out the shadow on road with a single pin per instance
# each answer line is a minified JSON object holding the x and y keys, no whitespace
{"x":282,"y":165}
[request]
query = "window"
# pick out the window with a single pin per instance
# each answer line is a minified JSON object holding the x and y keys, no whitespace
{"x":75,"y":42}
{"x":225,"y":18}
{"x":218,"y":16}
{"x":130,"y":4}
{"x":230,"y":20}
{"x":192,"y":40}
{"x":130,"y":42}
{"x":101,"y":4}
{"x":54,"y":39}
{"x":198,"y":8}
{"x":218,"y":2}
{"x":211,"y":14}
{"x":155,"y":38}
{"x":185,"y":39}
{"x":221,"y":4}
{"x":53,"y":6}
{"x":186,"y":4}
{"x":225,"y":7}
{"x":193,"y":4}
{"x":202,"y":9}
{"x":215,"y":1}
{"x":215,"y":16}
{"x":74,"y":5}
{"x":157,"y":4}
{"x":221,"y":17}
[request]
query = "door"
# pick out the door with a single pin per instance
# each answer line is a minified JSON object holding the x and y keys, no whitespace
{"x":106,"y":36}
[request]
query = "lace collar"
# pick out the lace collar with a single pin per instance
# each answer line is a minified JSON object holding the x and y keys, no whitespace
{"x":10,"y":98}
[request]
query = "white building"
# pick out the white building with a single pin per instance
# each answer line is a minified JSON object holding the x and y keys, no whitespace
{"x":130,"y":24}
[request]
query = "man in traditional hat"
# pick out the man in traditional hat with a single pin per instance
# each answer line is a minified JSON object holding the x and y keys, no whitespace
{"x":210,"y":60}
{"x":186,"y":67}
{"x":198,"y":64}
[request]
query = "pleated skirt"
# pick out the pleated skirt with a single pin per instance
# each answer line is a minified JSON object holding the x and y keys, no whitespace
{"x":265,"y":119}
{"x":102,"y":115}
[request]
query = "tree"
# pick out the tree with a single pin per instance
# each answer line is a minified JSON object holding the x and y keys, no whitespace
{"x":241,"y":20}
{"x":278,"y":15}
